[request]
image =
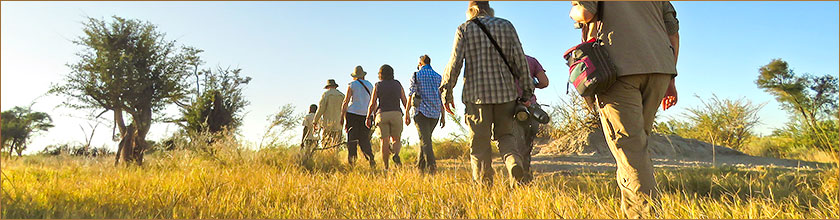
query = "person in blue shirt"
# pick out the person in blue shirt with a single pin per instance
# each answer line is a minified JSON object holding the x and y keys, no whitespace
{"x":427,"y":112}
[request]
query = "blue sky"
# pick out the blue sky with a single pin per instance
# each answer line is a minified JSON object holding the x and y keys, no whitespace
{"x":292,"y":48}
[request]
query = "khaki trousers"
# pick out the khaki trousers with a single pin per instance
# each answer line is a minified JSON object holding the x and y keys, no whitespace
{"x":482,"y":118}
{"x":627,"y":110}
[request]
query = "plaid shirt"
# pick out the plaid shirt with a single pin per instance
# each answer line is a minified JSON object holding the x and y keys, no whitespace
{"x":429,"y":81}
{"x":487,"y":79}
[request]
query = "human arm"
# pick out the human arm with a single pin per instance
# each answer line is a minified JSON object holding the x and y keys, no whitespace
{"x":442,"y":116}
{"x":344,"y":105}
{"x":453,"y":70}
{"x":541,"y":77}
{"x":322,"y":106}
{"x":372,"y":106}
{"x":407,"y":118}
{"x":672,"y":26}
{"x":403,"y":99}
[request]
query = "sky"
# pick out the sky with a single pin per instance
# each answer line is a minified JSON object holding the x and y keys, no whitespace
{"x":292,"y":48}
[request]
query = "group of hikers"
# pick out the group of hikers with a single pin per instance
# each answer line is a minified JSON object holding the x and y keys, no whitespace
{"x":641,"y":38}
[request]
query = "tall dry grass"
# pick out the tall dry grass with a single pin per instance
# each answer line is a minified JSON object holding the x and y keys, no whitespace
{"x":270,"y":184}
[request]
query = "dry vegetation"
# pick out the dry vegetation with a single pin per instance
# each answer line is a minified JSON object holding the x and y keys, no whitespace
{"x":237,"y":183}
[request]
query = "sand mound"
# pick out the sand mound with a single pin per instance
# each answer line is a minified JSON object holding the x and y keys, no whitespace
{"x":670,"y":146}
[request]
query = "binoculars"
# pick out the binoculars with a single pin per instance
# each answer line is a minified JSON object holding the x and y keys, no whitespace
{"x":523,"y":113}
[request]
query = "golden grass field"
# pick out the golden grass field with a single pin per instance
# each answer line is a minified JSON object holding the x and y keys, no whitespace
{"x":270,"y":184}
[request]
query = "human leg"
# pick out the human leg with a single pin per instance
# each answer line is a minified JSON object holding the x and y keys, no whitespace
{"x":479,"y":119}
{"x":622,"y":111}
{"x":503,"y":123}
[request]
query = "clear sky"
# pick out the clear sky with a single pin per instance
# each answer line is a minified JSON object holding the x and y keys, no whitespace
{"x":292,"y":48}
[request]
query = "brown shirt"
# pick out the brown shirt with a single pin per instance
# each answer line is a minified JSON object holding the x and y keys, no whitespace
{"x":389,"y":93}
{"x":636,"y":35}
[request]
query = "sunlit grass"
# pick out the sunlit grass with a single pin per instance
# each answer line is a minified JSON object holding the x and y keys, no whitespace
{"x":270,"y":184}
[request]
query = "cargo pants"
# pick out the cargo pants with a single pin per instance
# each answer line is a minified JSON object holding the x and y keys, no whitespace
{"x":627,"y":110}
{"x":498,"y":118}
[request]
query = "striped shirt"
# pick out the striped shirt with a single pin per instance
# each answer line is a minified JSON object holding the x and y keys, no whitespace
{"x":426,"y":83}
{"x":487,"y":79}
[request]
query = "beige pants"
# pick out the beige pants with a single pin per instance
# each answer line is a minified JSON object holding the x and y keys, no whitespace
{"x":390,"y":123}
{"x":627,"y":111}
{"x":498,"y":118}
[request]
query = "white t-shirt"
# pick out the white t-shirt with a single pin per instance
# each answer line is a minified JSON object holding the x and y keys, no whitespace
{"x":361,"y":98}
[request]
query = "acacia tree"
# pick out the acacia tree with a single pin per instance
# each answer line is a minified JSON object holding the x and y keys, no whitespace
{"x":18,"y":125}
{"x":813,"y":100}
{"x":129,"y":69}
{"x":221,"y":103}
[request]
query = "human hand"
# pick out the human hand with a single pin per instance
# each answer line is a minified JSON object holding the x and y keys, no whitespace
{"x":670,"y":98}
{"x":407,"y":120}
{"x":449,"y":106}
{"x":367,"y":122}
{"x":442,"y":121}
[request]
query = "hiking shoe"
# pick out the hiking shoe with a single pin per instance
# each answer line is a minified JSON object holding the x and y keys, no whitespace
{"x":396,"y":160}
{"x":372,"y":164}
{"x":517,"y":173}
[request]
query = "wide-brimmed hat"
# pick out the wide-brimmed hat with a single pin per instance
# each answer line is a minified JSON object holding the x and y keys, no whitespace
{"x":331,"y":82}
{"x":358,"y":72}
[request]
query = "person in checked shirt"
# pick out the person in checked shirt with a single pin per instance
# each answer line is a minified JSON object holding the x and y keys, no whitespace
{"x":424,"y":84}
{"x":490,"y":90}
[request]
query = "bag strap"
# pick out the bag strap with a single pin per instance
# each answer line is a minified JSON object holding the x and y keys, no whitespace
{"x":499,"y":49}
{"x":417,"y":82}
{"x":363,"y":85}
{"x":598,"y":15}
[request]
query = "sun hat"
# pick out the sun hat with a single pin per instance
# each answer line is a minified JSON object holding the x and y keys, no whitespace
{"x":331,"y":82}
{"x":358,"y":72}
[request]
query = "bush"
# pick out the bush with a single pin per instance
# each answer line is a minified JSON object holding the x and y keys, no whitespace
{"x":451,"y":149}
{"x":76,"y":150}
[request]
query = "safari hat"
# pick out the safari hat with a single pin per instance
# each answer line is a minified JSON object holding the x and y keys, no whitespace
{"x":358,"y":72}
{"x":331,"y":82}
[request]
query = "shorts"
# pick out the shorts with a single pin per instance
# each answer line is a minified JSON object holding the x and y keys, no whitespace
{"x":390,"y":123}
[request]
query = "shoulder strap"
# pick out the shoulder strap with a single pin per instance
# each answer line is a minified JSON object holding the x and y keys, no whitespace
{"x":599,"y":15}
{"x":499,"y":49}
{"x":363,"y":85}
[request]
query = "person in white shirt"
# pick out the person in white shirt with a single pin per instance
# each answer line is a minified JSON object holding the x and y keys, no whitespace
{"x":353,"y":111}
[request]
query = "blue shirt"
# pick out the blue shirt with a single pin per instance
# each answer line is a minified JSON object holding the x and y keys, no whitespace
{"x":427,"y":83}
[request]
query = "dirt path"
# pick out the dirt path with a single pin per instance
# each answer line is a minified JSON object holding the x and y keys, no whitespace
{"x":544,"y":163}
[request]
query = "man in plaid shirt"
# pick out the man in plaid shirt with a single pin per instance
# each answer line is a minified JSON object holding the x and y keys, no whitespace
{"x":490,"y":91}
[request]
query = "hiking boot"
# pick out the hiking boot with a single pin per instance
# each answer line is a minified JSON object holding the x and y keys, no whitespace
{"x":396,"y":160}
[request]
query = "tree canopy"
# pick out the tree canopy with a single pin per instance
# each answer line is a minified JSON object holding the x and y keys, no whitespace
{"x":127,"y":67}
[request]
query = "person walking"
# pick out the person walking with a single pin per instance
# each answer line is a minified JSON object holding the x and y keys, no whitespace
{"x":427,"y":112}
{"x":328,"y":115}
{"x":527,"y":130}
{"x":489,"y":92}
{"x":386,"y":101}
{"x":308,"y":124}
{"x":353,"y":116}
{"x":642,"y":39}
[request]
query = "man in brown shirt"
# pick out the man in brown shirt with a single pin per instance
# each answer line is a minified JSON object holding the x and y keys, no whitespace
{"x":642,"y":40}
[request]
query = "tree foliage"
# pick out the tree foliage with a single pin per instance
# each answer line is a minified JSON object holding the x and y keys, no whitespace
{"x":813,"y":100}
{"x":18,"y":125}
{"x":281,"y":122}
{"x":723,"y":122}
{"x":127,"y":67}
{"x":221,"y":103}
